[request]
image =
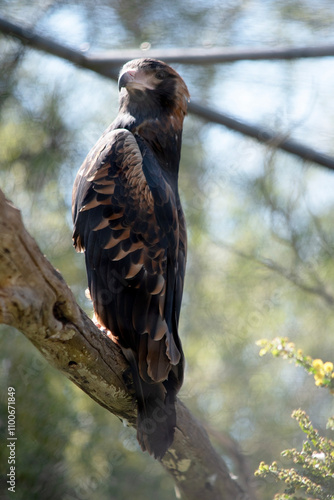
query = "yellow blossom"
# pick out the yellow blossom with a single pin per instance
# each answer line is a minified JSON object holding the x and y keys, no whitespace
{"x":318,"y":364}
{"x":328,"y":367}
{"x":319,"y":375}
{"x":318,"y":380}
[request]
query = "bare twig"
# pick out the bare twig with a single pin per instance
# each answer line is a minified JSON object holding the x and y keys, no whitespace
{"x":293,"y":277}
{"x":35,"y":299}
{"x":309,"y":267}
{"x":107,"y":67}
{"x":297,"y":280}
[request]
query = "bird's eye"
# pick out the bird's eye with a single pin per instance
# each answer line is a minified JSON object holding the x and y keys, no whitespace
{"x":161,"y":74}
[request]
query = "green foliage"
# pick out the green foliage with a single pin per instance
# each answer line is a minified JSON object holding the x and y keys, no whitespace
{"x":313,"y":473}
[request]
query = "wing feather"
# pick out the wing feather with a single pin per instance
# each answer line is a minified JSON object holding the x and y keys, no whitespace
{"x":126,"y":217}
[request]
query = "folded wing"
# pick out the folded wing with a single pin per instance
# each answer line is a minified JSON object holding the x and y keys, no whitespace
{"x":129,"y":222}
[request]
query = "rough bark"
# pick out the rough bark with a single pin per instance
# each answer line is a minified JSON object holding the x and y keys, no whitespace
{"x":35,"y":299}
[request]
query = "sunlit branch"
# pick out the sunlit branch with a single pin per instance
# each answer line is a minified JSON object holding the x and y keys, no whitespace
{"x":108,"y":67}
{"x":35,"y":299}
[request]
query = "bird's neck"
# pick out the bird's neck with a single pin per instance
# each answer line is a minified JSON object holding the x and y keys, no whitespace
{"x":162,"y":134}
{"x":164,"y":139}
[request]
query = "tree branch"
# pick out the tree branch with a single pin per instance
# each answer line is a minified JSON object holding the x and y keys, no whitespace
{"x":35,"y":299}
{"x":263,"y":135}
{"x":319,"y":289}
{"x":108,"y":66}
{"x":201,"y":56}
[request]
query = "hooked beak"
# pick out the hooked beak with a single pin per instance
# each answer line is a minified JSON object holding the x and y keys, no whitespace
{"x":134,"y":79}
{"x":125,"y":78}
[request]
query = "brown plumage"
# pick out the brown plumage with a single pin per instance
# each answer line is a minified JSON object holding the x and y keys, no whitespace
{"x":129,"y":222}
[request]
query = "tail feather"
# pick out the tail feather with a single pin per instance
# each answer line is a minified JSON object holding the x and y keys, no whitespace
{"x":156,"y":423}
{"x":156,"y":418}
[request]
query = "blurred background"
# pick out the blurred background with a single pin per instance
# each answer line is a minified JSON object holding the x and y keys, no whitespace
{"x":260,"y":229}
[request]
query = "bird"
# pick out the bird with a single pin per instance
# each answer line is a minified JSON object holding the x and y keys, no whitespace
{"x":128,"y":221}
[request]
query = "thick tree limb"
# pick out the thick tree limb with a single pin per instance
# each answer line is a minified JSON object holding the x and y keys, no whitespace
{"x":108,"y":65}
{"x":35,"y":299}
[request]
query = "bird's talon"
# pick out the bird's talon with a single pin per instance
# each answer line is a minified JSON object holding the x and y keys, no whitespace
{"x":104,"y":330}
{"x":127,"y":378}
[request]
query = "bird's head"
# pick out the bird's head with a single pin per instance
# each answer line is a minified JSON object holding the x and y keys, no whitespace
{"x":150,"y":88}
